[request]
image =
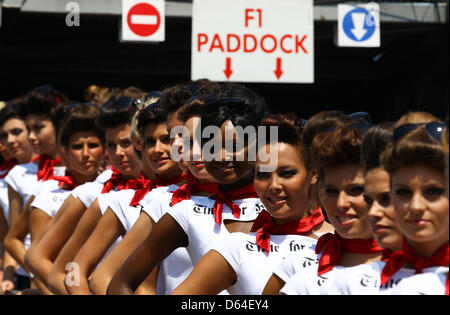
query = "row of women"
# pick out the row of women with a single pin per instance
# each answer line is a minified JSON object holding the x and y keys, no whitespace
{"x":93,"y":203}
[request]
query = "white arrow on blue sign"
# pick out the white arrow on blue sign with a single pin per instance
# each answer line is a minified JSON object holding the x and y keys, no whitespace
{"x":358,"y":25}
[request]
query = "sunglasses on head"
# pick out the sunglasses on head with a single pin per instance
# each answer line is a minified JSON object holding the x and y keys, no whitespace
{"x":122,"y":102}
{"x":212,"y":100}
{"x":68,"y":108}
{"x":359,"y":116}
{"x":434,"y":129}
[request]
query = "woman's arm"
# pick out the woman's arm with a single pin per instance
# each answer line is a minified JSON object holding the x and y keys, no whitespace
{"x":211,"y":275}
{"x":102,"y":238}
{"x":40,"y":259}
{"x":57,"y":271}
{"x":14,"y":239}
{"x":38,"y":219}
{"x":273,"y":286}
{"x":148,"y":287}
{"x":51,"y":223}
{"x":15,"y":205}
{"x":102,"y":276}
{"x":167,"y":235}
{"x":9,"y":272}
{"x":3,"y":231}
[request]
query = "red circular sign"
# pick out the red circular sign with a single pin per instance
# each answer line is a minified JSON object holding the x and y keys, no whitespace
{"x":143,"y":19}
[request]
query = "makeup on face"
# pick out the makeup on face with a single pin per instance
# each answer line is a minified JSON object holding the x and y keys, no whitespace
{"x":119,"y":148}
{"x":225,"y":167}
{"x":157,"y":150}
{"x":14,"y":135}
{"x":284,"y":192}
{"x":380,"y":210}
{"x":42,"y":135}
{"x":341,"y":193}
{"x":84,"y":153}
{"x":421,"y":204}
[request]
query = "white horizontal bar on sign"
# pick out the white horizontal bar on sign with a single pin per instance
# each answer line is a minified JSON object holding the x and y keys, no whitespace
{"x":144,"y":19}
{"x":418,"y":12}
{"x":111,"y":7}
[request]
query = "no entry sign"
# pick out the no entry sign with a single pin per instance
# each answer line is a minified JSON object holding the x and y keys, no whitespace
{"x":143,"y":20}
{"x":253,"y":41}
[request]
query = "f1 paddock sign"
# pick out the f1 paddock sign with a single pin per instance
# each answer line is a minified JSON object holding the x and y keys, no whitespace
{"x":143,"y":20}
{"x":359,"y":25}
{"x":253,"y":40}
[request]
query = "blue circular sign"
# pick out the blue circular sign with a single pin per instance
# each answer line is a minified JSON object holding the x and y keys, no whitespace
{"x":359,"y":24}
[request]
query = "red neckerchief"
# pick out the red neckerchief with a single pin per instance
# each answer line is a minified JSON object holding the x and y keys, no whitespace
{"x":6,"y":166}
{"x":247,"y":191}
{"x":387,"y":253}
{"x":267,"y":226}
{"x":185,"y":191}
{"x":116,"y":180}
{"x":157,"y":182}
{"x":333,"y":245}
{"x":45,"y":168}
{"x":408,"y":254}
{"x":67,"y":179}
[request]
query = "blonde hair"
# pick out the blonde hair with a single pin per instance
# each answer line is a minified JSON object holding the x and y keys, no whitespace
{"x":445,"y":140}
{"x":134,"y":121}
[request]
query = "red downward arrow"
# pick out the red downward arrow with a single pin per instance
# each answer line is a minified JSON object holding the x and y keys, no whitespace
{"x":278,"y":72}
{"x":228,"y":72}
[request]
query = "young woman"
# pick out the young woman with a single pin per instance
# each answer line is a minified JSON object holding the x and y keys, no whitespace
{"x":171,"y":100}
{"x":155,"y":155}
{"x":416,"y":164}
{"x":82,"y":149}
{"x":14,"y":136}
{"x":197,"y":224}
{"x":243,"y":263}
{"x":337,"y":154}
{"x":24,"y":179}
{"x":155,"y":204}
{"x":364,"y":278}
{"x":114,"y":118}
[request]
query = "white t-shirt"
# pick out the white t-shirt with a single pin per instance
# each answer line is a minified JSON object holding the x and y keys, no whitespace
{"x":49,"y":184}
{"x":196,"y":218}
{"x":119,"y":203}
{"x":88,"y":192}
{"x":178,"y":265}
{"x":299,"y":272}
{"x":254,"y":266}
{"x":304,"y":283}
{"x":4,"y":200}
{"x":430,"y":282}
{"x":305,"y":262}
{"x":366,"y":280}
{"x":50,"y":201}
{"x":23,"y":179}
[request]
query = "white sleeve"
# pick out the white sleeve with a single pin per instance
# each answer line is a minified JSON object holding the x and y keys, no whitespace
{"x":104,"y":199}
{"x":228,"y":248}
{"x":104,"y":176}
{"x":151,"y":204}
{"x":11,"y":178}
{"x":119,"y":204}
{"x":42,"y":202}
{"x":179,"y":213}
{"x":295,"y":285}
{"x":88,"y":192}
{"x":286,"y":268}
